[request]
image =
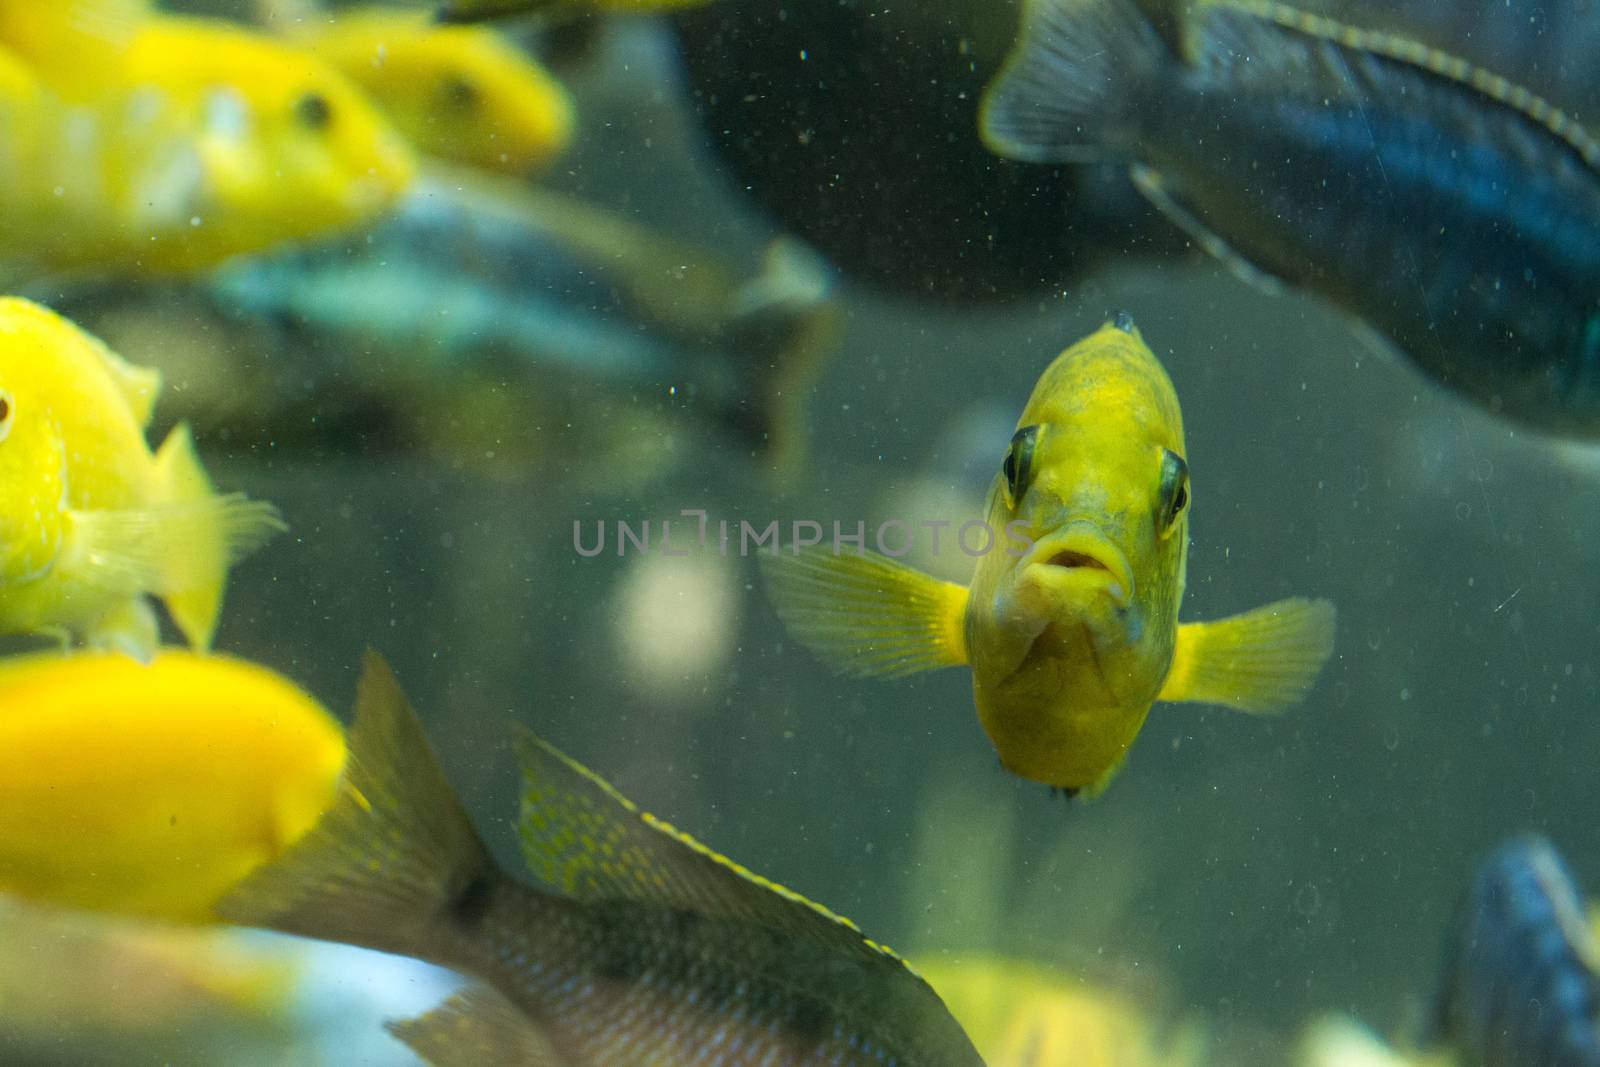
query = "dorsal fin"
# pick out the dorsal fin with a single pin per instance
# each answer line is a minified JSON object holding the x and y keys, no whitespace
{"x":582,"y":837}
{"x":138,"y":385}
{"x":1434,"y":61}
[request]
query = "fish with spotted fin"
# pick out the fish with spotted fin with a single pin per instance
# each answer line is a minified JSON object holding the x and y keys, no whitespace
{"x":644,"y":947}
{"x":1450,"y":209}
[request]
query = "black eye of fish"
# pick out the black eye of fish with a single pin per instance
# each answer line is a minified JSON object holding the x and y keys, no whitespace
{"x":313,"y":111}
{"x":1174,"y":491}
{"x":459,"y":93}
{"x":6,"y":408}
{"x":1018,"y":467}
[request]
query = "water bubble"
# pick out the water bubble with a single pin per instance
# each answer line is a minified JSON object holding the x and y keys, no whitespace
{"x":1308,"y":899}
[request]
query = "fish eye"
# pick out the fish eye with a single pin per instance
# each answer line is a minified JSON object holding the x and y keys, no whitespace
{"x":460,"y":93}
{"x":1174,"y":491}
{"x":313,"y":111}
{"x":1018,"y":467}
{"x":8,"y":408}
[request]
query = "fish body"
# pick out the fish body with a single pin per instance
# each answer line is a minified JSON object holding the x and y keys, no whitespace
{"x":643,"y":947}
{"x":460,"y":93}
{"x":1452,"y":210}
{"x":149,"y":789}
{"x":492,"y":281}
{"x":640,"y":947}
{"x":91,"y":521}
{"x":1070,"y":623}
{"x":176,"y":143}
{"x":1521,"y":976}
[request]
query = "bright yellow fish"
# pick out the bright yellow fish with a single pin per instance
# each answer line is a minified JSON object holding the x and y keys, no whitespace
{"x":91,"y":522}
{"x":150,"y":790}
{"x":1070,"y":623}
{"x":254,"y":143}
{"x":459,"y":93}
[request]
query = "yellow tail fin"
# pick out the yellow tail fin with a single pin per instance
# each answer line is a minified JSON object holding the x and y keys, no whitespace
{"x":203,"y":534}
{"x":866,"y":614}
{"x":1262,"y":661}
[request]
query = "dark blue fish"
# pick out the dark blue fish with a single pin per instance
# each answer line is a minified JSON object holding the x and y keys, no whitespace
{"x":1452,"y":210}
{"x":1520,"y":987}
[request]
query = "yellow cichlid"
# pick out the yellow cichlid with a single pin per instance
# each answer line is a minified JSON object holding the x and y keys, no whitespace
{"x":1070,"y":624}
{"x":203,"y":139}
{"x":91,"y":521}
{"x":459,"y":93}
{"x":150,"y":790}
{"x":478,"y":10}
{"x":1021,"y":1014}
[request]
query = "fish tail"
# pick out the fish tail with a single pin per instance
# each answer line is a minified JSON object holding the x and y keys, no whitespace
{"x":1077,"y":81}
{"x":203,"y":535}
{"x":784,"y":323}
{"x":392,"y":860}
{"x":1262,"y":661}
{"x":866,"y":614}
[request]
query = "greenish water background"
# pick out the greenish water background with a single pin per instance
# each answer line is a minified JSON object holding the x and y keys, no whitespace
{"x":1258,"y":871}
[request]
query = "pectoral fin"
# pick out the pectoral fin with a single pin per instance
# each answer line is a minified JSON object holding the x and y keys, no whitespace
{"x":867,"y":614}
{"x":477,"y":1026}
{"x":1262,"y":661}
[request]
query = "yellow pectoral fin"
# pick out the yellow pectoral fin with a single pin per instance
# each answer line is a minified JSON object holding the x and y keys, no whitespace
{"x":866,"y":614}
{"x":1262,"y":661}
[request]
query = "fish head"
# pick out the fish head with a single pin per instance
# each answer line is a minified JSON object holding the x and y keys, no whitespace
{"x":33,"y":480}
{"x":461,"y":93}
{"x":289,"y":148}
{"x":1081,"y":602}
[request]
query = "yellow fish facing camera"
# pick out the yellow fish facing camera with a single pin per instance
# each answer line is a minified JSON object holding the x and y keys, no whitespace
{"x":1070,"y":624}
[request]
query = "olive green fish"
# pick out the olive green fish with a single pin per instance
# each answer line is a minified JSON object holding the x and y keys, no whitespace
{"x":645,"y":947}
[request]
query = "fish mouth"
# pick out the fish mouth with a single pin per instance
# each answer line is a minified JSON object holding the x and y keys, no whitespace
{"x":1080,"y":556}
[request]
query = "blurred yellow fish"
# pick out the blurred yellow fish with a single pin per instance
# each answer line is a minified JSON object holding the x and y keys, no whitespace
{"x":258,"y":143}
{"x":1070,"y":624}
{"x":91,"y":522}
{"x":477,"y":10}
{"x":460,"y":93}
{"x":1021,"y":1014}
{"x":149,"y":790}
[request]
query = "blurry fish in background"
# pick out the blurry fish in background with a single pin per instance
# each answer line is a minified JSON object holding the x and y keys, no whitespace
{"x":854,"y":126}
{"x":91,"y":521}
{"x":1070,"y":624}
{"x":459,"y":93}
{"x":478,"y":294}
{"x":1022,"y":1014}
{"x":1521,"y":975}
{"x":96,"y":991}
{"x":479,"y":10}
{"x":1520,"y":983}
{"x":1450,"y":209}
{"x":645,"y":947}
{"x":149,"y":790}
{"x":1043,"y":971}
{"x":175,"y":143}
